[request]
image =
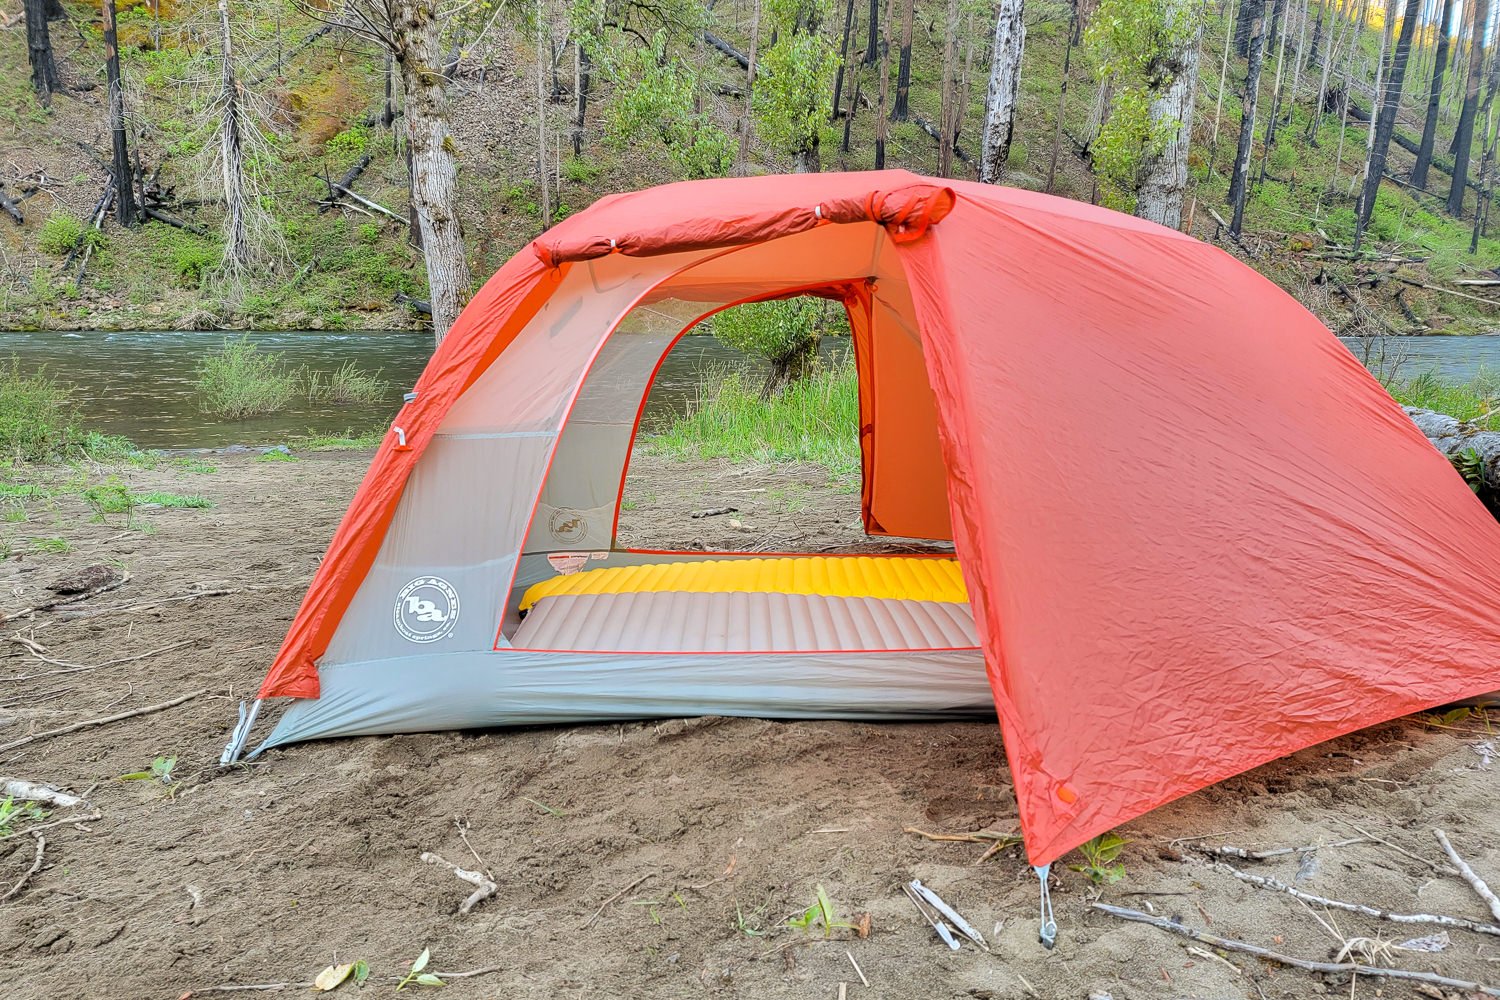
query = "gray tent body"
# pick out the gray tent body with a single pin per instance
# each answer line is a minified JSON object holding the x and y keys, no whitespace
{"x":525,"y":476}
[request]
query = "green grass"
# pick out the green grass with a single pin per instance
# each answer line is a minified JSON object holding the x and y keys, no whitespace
{"x":57,"y":546}
{"x":814,"y":420}
{"x":173,"y":501}
{"x":347,"y":441}
{"x":1464,"y":400}
{"x":38,"y":419}
{"x":241,"y":380}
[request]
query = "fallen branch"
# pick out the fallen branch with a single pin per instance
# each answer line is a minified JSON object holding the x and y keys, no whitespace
{"x":1438,"y":919}
{"x":1447,"y":291}
{"x":73,"y":668}
{"x":975,"y":837}
{"x":485,"y":888}
{"x":62,"y":602}
{"x":31,"y":791}
{"x":589,"y":922}
{"x":291,"y":985}
{"x":350,"y":176}
{"x":160,"y":216}
{"x":36,"y":866}
{"x":12,"y":209}
{"x":1475,"y":882}
{"x":67,"y":612}
{"x":368,"y":203}
{"x":1240,"y":852}
{"x":90,"y":723}
{"x":71,"y":820}
{"x":1230,"y":944}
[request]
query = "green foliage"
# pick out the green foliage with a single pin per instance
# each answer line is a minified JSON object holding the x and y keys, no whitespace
{"x":349,"y":144}
{"x":241,"y":380}
{"x":110,"y":497}
{"x":579,"y":171}
{"x":369,"y":232}
{"x":416,"y":975}
{"x":793,"y":100}
{"x":63,"y":231}
{"x":172,"y":501}
{"x":160,"y":770}
{"x":12,"y":812}
{"x":1478,"y":397}
{"x":777,"y":330}
{"x":813,"y":420}
{"x":351,"y":384}
{"x":820,"y":914}
{"x":54,"y":546}
{"x":1131,"y":43}
{"x":1099,"y":857}
{"x":656,"y":94}
{"x":38,"y":419}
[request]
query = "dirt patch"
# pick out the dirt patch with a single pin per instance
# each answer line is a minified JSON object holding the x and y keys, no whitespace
{"x":724,"y":826}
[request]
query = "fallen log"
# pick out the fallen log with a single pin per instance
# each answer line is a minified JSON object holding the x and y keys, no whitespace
{"x":1462,"y":441}
{"x":11,"y":208}
{"x":729,"y":50}
{"x":160,"y":216}
{"x":368,"y":203}
{"x":347,"y":181}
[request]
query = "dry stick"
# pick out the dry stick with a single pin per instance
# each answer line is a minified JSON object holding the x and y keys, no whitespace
{"x":1240,"y":852}
{"x":1438,"y":919}
{"x":857,"y":970}
{"x":1440,"y":869}
{"x":31,"y":791}
{"x":589,"y":922}
{"x":63,"y":602}
{"x":75,"y":727}
{"x":1475,"y":882}
{"x":1230,"y":944}
{"x":90,"y":818}
{"x":253,"y":987}
{"x":36,"y":866}
{"x":484,"y":888}
{"x":144,"y":605}
{"x":73,"y":668}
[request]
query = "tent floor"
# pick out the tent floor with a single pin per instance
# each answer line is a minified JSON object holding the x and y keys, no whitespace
{"x":676,"y":622}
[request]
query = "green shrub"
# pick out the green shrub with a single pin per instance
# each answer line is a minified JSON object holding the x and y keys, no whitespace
{"x":38,"y":418}
{"x":785,"y":332}
{"x":351,"y":384}
{"x":192,"y":261}
{"x":813,"y":420}
{"x":579,"y":171}
{"x":369,"y":232}
{"x":349,"y":144}
{"x":240,"y":380}
{"x":60,"y":233}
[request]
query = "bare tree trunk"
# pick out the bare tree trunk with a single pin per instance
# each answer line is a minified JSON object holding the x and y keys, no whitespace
{"x":1164,"y":172}
{"x":1434,"y":98}
{"x":388,"y":110}
{"x":44,"y":78}
{"x":872,"y":47}
{"x":950,"y":55}
{"x":1297,"y":62}
{"x":1317,"y":35}
{"x":882,"y":120}
{"x":434,"y":170}
{"x":1463,"y":139}
{"x":1062,"y":96}
{"x":544,"y":189}
{"x":583,"y":66}
{"x":1375,"y":167}
{"x":1239,"y":184}
{"x":1244,"y":27}
{"x":1382,"y":76}
{"x":125,"y":206}
{"x":903,"y":71}
{"x":1005,"y":85}
{"x":747,"y":124}
{"x":237,"y":249}
{"x":1270,"y":137}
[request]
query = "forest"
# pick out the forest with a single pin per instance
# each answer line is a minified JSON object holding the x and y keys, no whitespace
{"x":364,"y":164}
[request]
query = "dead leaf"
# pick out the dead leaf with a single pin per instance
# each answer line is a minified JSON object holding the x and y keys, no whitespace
{"x":332,"y":977}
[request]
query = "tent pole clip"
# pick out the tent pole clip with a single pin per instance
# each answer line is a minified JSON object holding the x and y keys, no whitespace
{"x":401,"y":444}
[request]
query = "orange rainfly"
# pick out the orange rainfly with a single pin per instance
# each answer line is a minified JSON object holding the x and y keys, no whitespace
{"x":1194,"y":533}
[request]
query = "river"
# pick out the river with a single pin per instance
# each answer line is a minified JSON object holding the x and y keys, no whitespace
{"x":142,"y":384}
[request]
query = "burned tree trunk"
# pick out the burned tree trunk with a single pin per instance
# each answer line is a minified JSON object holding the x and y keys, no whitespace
{"x":1005,"y":84}
{"x":838,"y":76}
{"x":44,"y":78}
{"x":1164,"y":171}
{"x":872,"y":46}
{"x":902,"y":107}
{"x":582,"y":79}
{"x":434,"y":171}
{"x":1239,"y":184}
{"x":1463,"y":138}
{"x":1434,"y":98}
{"x":1386,"y":121}
{"x":125,"y":206}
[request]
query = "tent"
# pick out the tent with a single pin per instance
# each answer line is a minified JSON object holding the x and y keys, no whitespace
{"x":1192,"y":533}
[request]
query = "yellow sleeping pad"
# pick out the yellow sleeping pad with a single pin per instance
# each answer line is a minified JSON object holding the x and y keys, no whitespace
{"x":892,"y":577}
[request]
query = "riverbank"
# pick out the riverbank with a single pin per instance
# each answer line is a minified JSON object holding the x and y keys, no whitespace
{"x":699,"y":837}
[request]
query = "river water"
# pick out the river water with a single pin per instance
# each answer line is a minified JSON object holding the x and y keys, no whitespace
{"x":141,"y":384}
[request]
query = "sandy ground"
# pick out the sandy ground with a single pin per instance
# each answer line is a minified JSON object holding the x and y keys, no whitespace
{"x":699,"y":836}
